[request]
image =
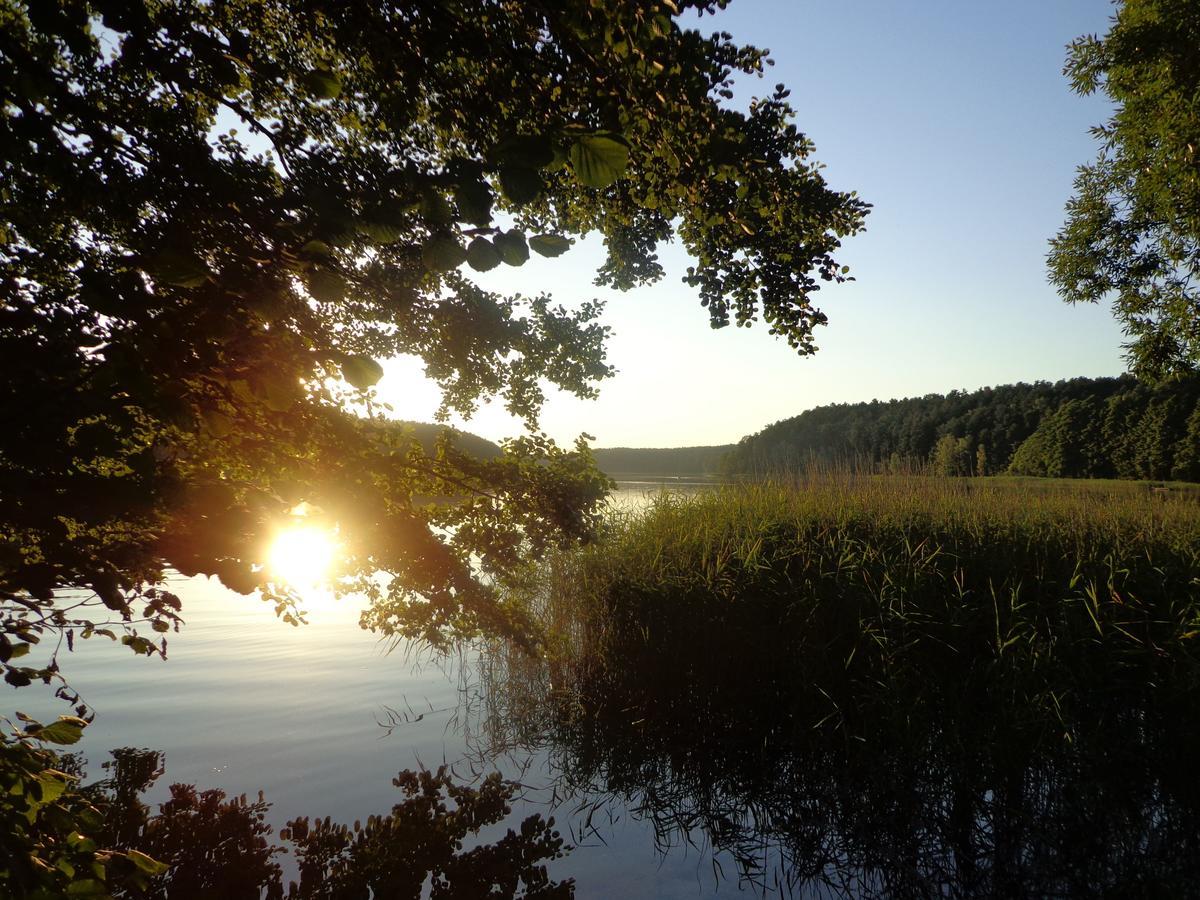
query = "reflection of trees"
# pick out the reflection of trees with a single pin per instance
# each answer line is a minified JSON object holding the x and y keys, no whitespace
{"x":952,"y":786}
{"x":222,"y":847}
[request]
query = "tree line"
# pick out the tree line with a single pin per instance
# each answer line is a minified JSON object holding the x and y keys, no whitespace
{"x":1078,"y":428}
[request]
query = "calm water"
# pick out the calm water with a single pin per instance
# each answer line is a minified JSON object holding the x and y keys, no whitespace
{"x":246,"y":703}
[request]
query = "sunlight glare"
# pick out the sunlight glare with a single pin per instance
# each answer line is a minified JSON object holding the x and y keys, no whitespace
{"x":302,"y":556}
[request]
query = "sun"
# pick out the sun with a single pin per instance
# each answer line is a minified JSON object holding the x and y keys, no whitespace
{"x":302,"y":556}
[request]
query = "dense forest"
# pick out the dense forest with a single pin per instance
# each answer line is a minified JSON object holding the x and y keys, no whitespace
{"x":1081,"y":428}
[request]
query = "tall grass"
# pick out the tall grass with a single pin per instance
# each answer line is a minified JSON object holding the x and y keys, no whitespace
{"x":859,"y":583}
{"x":903,"y":685}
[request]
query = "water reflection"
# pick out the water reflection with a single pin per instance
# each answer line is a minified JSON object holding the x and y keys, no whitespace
{"x":945,"y":789}
{"x":213,"y":846}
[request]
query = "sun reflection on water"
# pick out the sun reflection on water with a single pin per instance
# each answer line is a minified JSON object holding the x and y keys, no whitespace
{"x":302,"y":557}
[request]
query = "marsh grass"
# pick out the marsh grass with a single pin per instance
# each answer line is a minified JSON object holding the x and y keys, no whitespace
{"x":852,"y":588}
{"x":904,"y":685}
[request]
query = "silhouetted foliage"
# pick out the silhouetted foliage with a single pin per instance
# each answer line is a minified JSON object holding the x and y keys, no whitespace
{"x":215,"y":218}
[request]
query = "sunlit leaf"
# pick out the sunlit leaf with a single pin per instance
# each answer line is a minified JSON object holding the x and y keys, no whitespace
{"x":361,"y":372}
{"x":64,"y":731}
{"x":442,"y":253}
{"x":598,"y":161}
{"x":87,"y":887}
{"x":512,"y":247}
{"x":317,"y":249}
{"x":321,"y":83}
{"x":147,"y":864}
{"x":53,"y":783}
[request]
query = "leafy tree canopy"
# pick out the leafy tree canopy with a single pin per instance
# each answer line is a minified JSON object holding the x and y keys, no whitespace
{"x":1133,"y":225}
{"x":217,"y":218}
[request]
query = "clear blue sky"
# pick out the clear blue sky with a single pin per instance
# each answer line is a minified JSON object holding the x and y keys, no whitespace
{"x":955,"y":121}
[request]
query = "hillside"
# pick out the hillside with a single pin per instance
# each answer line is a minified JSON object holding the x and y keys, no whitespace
{"x":612,"y":460}
{"x":427,"y":434}
{"x":661,"y":461}
{"x":1084,"y":427}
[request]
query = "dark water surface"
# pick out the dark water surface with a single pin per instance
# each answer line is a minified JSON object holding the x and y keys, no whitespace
{"x":246,"y":703}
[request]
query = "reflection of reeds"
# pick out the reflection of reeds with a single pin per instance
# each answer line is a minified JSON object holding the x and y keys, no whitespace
{"x":905,"y":681}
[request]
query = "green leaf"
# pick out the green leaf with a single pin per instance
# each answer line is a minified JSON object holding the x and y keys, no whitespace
{"x":18,"y":650}
{"x":87,"y":887}
{"x":598,"y":161}
{"x":529,"y":151}
{"x":550,"y":244}
{"x":321,"y":83}
{"x":66,"y":730}
{"x":53,"y":784}
{"x":435,"y":209}
{"x":482,"y":255}
{"x":520,"y":185}
{"x":216,"y":423}
{"x":326,"y":285}
{"x":177,"y":269}
{"x":474,"y":201}
{"x":361,"y":372}
{"x":147,"y":864}
{"x":80,"y":843}
{"x":381,"y":232}
{"x":512,"y":247}
{"x":441,"y":253}
{"x":278,"y":390}
{"x":317,"y":249}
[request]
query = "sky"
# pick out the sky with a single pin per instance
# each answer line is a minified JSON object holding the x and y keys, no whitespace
{"x":954,"y":120}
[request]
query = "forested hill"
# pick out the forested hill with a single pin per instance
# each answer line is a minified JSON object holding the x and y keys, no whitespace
{"x":1085,"y":427}
{"x":427,"y":434}
{"x":612,"y":461}
{"x":661,"y":461}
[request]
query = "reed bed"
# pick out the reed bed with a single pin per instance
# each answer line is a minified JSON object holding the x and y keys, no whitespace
{"x":855,"y":585}
{"x":856,"y":685}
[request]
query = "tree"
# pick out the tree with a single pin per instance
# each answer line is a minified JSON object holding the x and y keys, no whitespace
{"x":216,"y":218}
{"x":1133,"y":225}
{"x":951,"y":456}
